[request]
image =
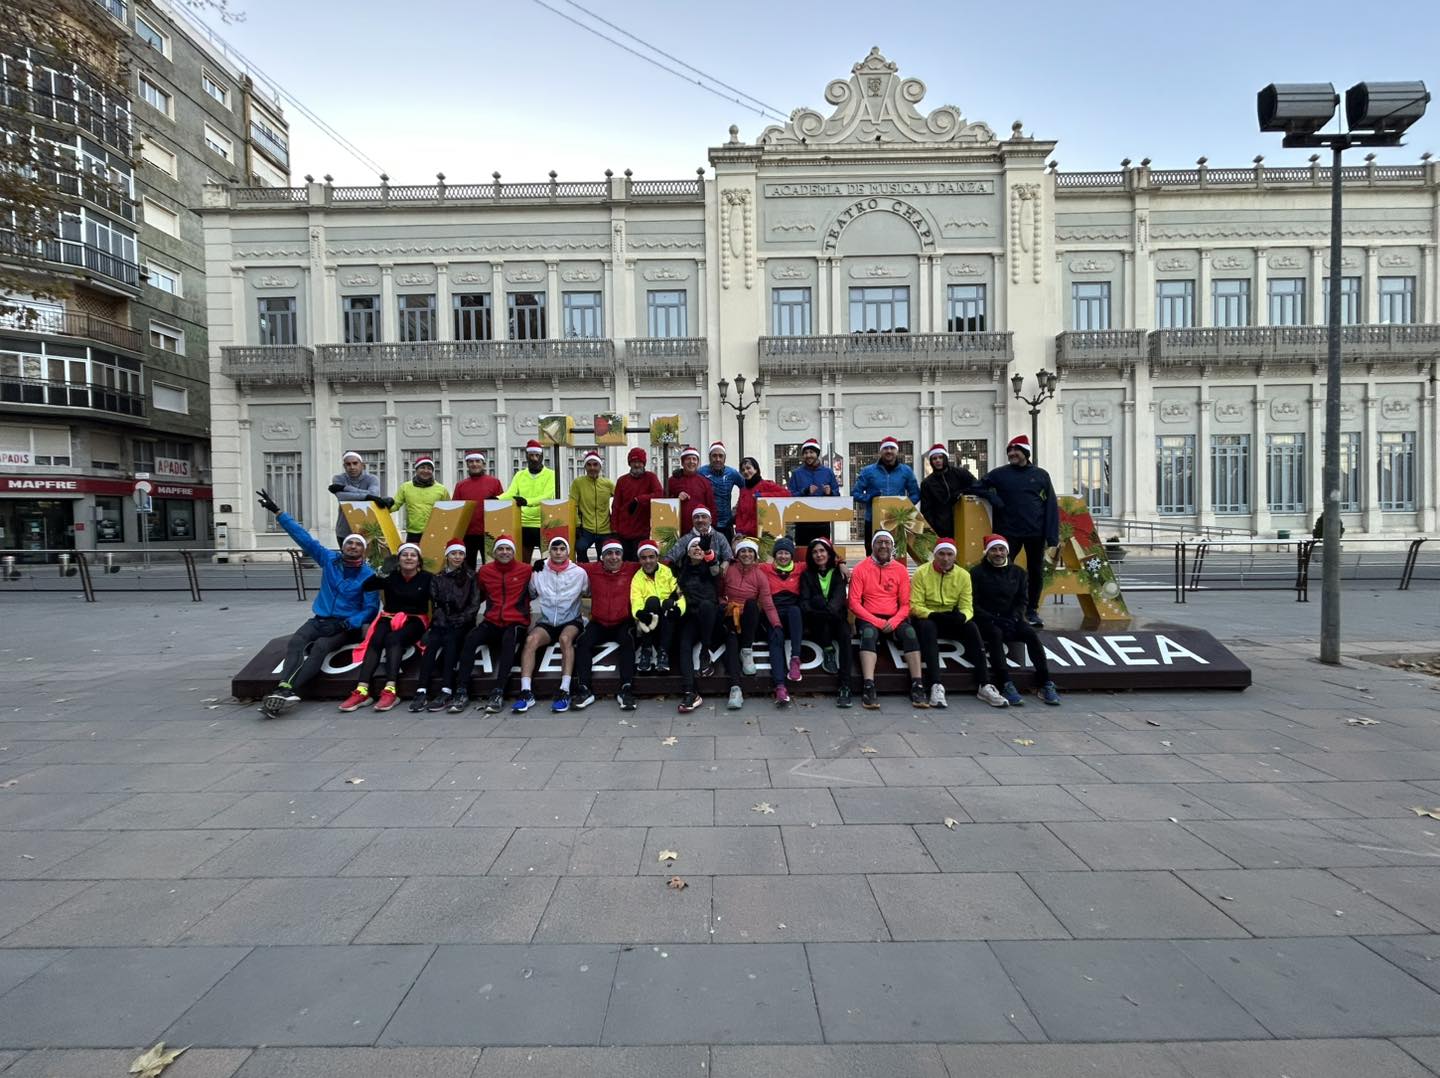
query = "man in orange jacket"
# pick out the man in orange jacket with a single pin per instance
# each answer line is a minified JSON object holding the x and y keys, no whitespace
{"x":880,"y":601}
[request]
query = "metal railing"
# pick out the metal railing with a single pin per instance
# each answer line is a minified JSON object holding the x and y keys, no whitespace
{"x":270,"y":143}
{"x":277,"y":194}
{"x":658,"y":354}
{"x":941,"y":352}
{"x":113,"y":130}
{"x":94,"y":189}
{"x":1251,"y":344}
{"x":1194,"y":570}
{"x":495,"y":192}
{"x":1202,"y":176}
{"x":1100,"y":347}
{"x":580,"y":357}
{"x":76,"y":324}
{"x":153,"y":569}
{"x":267,"y":364}
{"x":85,"y":256}
{"x":1152,"y":528}
{"x":42,"y":391}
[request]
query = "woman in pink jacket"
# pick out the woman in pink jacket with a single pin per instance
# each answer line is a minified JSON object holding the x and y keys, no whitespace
{"x":746,"y":595}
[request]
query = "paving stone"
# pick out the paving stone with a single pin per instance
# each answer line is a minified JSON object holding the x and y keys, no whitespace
{"x":1052,"y":743}
{"x":714,"y":851}
{"x":1412,"y":890}
{"x":89,"y":1062}
{"x":906,"y":804}
{"x":40,"y":812}
{"x":30,"y":854}
{"x":1372,"y":766}
{"x":652,"y":808}
{"x":1265,"y":800}
{"x":1400,"y":841}
{"x":853,"y":745}
{"x":690,"y":747}
{"x":1418,"y":956}
{"x":1298,"y":902}
{"x":558,"y":851}
{"x":996,"y":847}
{"x":17,"y":966}
{"x":917,"y":992}
{"x":1117,"y":990}
{"x":73,"y":778}
{"x":303,"y":996}
{"x":388,"y":776}
{"x":569,"y":748}
{"x":279,"y":776}
{"x":1317,"y":987}
{"x":1193,"y":1059}
{"x":374,"y":749}
{"x":1144,"y":801}
{"x":284,"y":809}
{"x":1064,"y":1060}
{"x":1019,"y":804}
{"x":626,"y":909}
{"x":155,"y":855}
{"x":1158,"y":742}
{"x":496,"y":775}
{"x":972,"y":741}
{"x":963,"y":906}
{"x":611,"y":1062}
{"x":1372,"y":799}
{"x":813,"y":772}
{"x":542,"y":722}
{"x":714,"y":774}
{"x":1280,"y":844}
{"x":428,"y":851}
{"x":86,"y":998}
{"x":762,"y":746}
{"x":787,"y":909}
{"x":932,"y":771}
{"x":156,"y":811}
{"x":529,"y":808}
{"x":293,"y":911}
{"x":1425,"y":1049}
{"x":1256,"y":767}
{"x":359,"y":1062}
{"x":855,"y":848}
{"x":408,"y":808}
{"x":790,"y":806}
{"x":1155,"y":768}
{"x":1138,"y":845}
{"x":1130,"y":905}
{"x":551,"y":994}
{"x":281,"y":852}
{"x":628,"y":775}
{"x":1035,"y":770}
{"x":125,"y":913}
{"x":277,"y":751}
{"x":835,"y":1061}
{"x":717,"y":993}
{"x":454,"y":909}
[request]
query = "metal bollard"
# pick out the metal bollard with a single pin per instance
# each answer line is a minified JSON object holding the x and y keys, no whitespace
{"x":66,"y":569}
{"x":110,"y":566}
{"x":11,"y":573}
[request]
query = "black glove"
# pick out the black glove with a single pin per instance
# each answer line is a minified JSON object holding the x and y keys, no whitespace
{"x":519,"y":501}
{"x":382,"y":502}
{"x":672,"y":603}
{"x":705,"y":541}
{"x":634,"y":504}
{"x":652,"y":606}
{"x":267,"y":503}
{"x":336,"y":488}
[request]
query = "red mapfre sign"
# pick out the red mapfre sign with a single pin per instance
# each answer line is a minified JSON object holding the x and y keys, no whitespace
{"x":79,"y":484}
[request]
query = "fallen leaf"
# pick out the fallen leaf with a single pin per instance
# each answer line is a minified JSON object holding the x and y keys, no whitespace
{"x":8,"y":784}
{"x":677,"y":884}
{"x":800,"y":729}
{"x":624,"y":722}
{"x":869,"y":750}
{"x":764,"y":808}
{"x":1434,"y":813}
{"x":353,"y":782}
{"x":1152,"y":722}
{"x":1167,"y":744}
{"x":667,"y":855}
{"x":1362,"y":722}
{"x":1026,"y":741}
{"x":149,"y":1064}
{"x":950,"y":822}
{"x":670,"y":741}
{"x":1226,"y":898}
{"x":27,"y":857}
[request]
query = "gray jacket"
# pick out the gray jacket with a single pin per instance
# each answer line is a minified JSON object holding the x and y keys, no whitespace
{"x":718,"y":543}
{"x":356,"y":490}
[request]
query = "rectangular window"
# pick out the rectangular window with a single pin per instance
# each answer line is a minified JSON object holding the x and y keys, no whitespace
{"x":584,"y":316}
{"x":1090,"y":305}
{"x":526,"y":315}
{"x":1287,"y":301}
{"x":277,"y":320}
{"x":1351,"y":471}
{"x":1092,"y":473}
{"x":159,"y":157}
{"x":157,"y":98}
{"x":417,"y":318}
{"x":472,"y":316}
{"x":161,"y":219}
{"x":179,"y":517}
{"x":1285,"y":472}
{"x":143,"y":455}
{"x":1230,"y":473}
{"x":361,"y":315}
{"x":1175,"y":474}
{"x":167,"y":338}
{"x":965,"y":308}
{"x":408,"y":457}
{"x":1397,"y":300}
{"x":1230,"y":302}
{"x":170,"y":399}
{"x":1174,"y":304}
{"x":285,"y":484}
{"x":665,"y":314}
{"x":219,"y":143}
{"x":215,"y":88}
{"x":790,"y":312}
{"x":162,"y":278}
{"x":109,"y":520}
{"x":880,"y":310}
{"x":268,"y":138}
{"x":1396,"y":473}
{"x":152,"y":36}
{"x":973,"y":453}
{"x":1349,"y":301}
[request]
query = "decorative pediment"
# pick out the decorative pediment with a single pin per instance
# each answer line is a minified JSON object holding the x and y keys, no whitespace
{"x":876,"y":105}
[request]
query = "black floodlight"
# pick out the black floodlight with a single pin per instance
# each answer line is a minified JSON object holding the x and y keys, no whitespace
{"x":1385,"y":107}
{"x":1296,"y":108}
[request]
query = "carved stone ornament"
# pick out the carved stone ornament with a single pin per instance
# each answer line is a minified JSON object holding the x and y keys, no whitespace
{"x":475,"y":424}
{"x":1090,"y":413}
{"x":1025,"y":226}
{"x":1092,"y":265}
{"x":962,"y":415}
{"x":871,"y":417}
{"x":275,"y":280}
{"x":877,"y":270}
{"x":524,"y":276}
{"x":418,"y":425}
{"x":279,"y":430}
{"x":792,"y":419}
{"x":359,"y":280}
{"x":1229,"y":412}
{"x":1289,"y":262}
{"x":876,"y":105}
{"x":1346,"y":262}
{"x":1174,"y":264}
{"x":363,"y":428}
{"x":1282,"y":411}
{"x":1230,"y":262}
{"x":411,"y":278}
{"x":1396,"y":408}
{"x":964,"y":269}
{"x":737,"y":236}
{"x":665,"y":273}
{"x":470,"y":277}
{"x":1396,"y":260}
{"x":792,"y":223}
{"x":912,"y":216}
{"x":788,"y":273}
{"x":1174,"y":411}
{"x":526,"y":422}
{"x":578,"y":276}
{"x":961,"y":224}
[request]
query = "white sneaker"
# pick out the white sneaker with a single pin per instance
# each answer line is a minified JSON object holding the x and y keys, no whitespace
{"x":747,"y":662}
{"x":937,"y":695}
{"x":991,"y":696}
{"x":737,"y":699}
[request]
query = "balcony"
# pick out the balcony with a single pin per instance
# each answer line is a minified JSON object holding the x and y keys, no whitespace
{"x":81,"y":395}
{"x":947,"y":353}
{"x":267,"y":364}
{"x":112,"y":268}
{"x":111,"y":129}
{"x":1098,"y":348}
{"x":271,"y":142}
{"x":436,"y":361}
{"x":667,"y":355}
{"x":77,"y":324}
{"x":1220,"y":346}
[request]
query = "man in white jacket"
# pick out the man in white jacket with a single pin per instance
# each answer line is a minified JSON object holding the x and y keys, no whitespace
{"x":556,"y":589}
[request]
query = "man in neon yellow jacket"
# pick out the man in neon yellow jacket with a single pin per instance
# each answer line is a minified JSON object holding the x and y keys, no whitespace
{"x":591,"y":494}
{"x":528,"y":489}
{"x":417,"y":496}
{"x":942,"y":604}
{"x":656,"y":604}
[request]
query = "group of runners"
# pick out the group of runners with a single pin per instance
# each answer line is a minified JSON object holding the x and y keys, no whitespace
{"x":677,"y":610}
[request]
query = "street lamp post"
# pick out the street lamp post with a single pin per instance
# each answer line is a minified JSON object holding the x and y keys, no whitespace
{"x":1376,"y":114}
{"x":739,"y":406}
{"x":1044,"y":390}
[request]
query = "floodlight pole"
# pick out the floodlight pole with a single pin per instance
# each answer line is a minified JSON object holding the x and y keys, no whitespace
{"x":1330,"y":519}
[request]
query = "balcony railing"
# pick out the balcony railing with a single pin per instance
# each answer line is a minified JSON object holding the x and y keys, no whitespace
{"x":267,"y":364}
{"x":1292,"y":344}
{"x":1100,"y":348}
{"x":270,"y":143}
{"x":449,"y":360}
{"x":113,"y":130}
{"x":92,"y":189}
{"x":876,"y":352}
{"x":495,"y":193}
{"x":73,"y":253}
{"x":42,"y":392}
{"x":76,"y":324}
{"x":1257,"y":176}
{"x":665,"y":354}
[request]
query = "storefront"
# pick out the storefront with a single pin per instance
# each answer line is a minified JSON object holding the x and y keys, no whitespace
{"x":39,"y":513}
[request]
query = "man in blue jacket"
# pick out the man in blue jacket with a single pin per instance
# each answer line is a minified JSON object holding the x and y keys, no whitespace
{"x":887,"y":477}
{"x":1027,"y":514}
{"x":724,"y":479}
{"x":342,"y":608}
{"x":812,"y":479}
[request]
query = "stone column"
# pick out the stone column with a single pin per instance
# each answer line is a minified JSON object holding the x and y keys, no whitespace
{"x":839,"y":309}
{"x":1204,"y":306}
{"x":1260,"y":461}
{"x":444,"y":317}
{"x":499,"y":319}
{"x":937,"y":294}
{"x":1124,"y":494}
{"x":1141,"y":462}
{"x":554,"y":317}
{"x":1371,"y":287}
{"x":1369,"y":454}
{"x":822,"y":297}
{"x":328,"y":324}
{"x":1427,"y":488}
{"x":392,"y":448}
{"x":1260,"y":302}
{"x":607,"y":299}
{"x":923,"y":322}
{"x":1427,"y":294}
{"x":1204,"y":504}
{"x":1319,"y":313}
{"x":1315,"y":454}
{"x":1127,"y":291}
{"x":448,"y":463}
{"x":702,"y":306}
{"x":389,"y":313}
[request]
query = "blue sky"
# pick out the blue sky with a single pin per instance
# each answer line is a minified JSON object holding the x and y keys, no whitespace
{"x":471,"y":88}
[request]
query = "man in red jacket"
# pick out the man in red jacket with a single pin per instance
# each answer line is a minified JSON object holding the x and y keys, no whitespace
{"x":476,"y":487}
{"x":880,"y":601}
{"x":505,"y":591}
{"x":610,"y":623}
{"x":630,"y":507}
{"x":690,"y":487}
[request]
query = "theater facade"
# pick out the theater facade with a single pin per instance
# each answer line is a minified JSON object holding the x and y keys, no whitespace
{"x":880,"y":265}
